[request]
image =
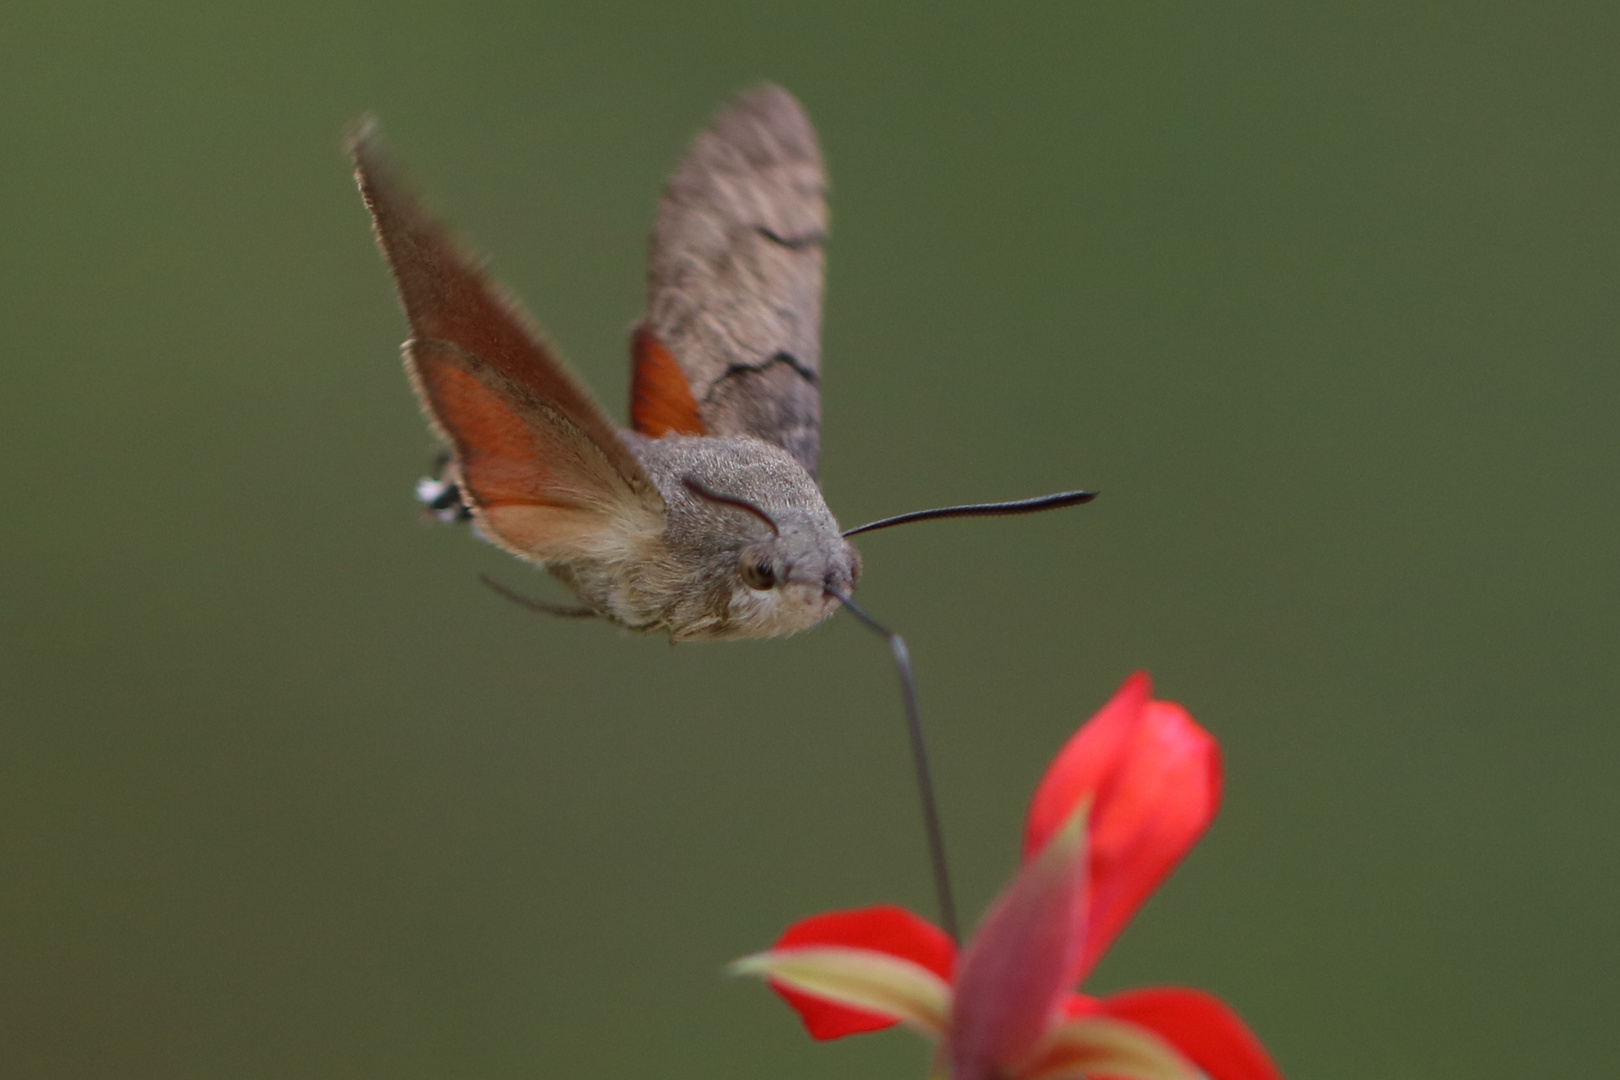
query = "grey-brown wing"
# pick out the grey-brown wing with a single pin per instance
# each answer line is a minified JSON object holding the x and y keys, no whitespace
{"x":734,"y":279}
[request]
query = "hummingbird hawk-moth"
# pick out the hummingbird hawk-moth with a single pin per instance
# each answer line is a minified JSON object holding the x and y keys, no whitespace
{"x":703,"y":519}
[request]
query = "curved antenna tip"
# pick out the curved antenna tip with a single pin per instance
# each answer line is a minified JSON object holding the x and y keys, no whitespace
{"x":997,"y":509}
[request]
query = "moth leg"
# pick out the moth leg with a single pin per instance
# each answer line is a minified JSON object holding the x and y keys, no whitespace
{"x":541,"y":606}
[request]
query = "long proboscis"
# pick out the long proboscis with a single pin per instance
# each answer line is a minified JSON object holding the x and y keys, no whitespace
{"x":997,"y":509}
{"x":919,"y":760}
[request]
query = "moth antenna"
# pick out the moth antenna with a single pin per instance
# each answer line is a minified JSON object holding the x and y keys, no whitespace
{"x":738,"y":502}
{"x":532,"y":604}
{"x":919,"y":760}
{"x":998,"y":509}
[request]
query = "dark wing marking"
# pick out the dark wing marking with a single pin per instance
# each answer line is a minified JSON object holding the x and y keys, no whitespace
{"x":734,"y":279}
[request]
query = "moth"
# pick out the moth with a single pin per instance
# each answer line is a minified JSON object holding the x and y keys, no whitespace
{"x":703,"y":520}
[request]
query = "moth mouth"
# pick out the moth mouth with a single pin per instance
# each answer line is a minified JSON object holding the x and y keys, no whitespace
{"x":837,"y":583}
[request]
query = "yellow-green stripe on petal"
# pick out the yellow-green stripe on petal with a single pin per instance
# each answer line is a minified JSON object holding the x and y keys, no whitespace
{"x":1102,"y":1046}
{"x":861,"y":979}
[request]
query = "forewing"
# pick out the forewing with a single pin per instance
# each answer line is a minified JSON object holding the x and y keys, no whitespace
{"x":543,"y":468}
{"x":734,"y":279}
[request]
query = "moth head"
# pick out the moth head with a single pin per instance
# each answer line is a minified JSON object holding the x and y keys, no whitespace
{"x":776,"y":580}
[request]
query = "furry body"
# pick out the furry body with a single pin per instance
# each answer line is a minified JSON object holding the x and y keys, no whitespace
{"x":685,"y":579}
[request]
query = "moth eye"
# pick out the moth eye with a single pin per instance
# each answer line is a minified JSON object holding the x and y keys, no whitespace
{"x":757,"y":573}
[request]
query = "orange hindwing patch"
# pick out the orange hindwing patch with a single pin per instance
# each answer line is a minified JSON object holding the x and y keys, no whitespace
{"x":660,"y":398}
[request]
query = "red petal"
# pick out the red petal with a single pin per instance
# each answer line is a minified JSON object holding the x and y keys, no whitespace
{"x":1201,"y":1026}
{"x":886,"y":929}
{"x":1154,"y":780}
{"x":1078,"y":1005}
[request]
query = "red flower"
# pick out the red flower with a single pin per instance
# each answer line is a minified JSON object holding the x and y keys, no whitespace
{"x":1125,"y":799}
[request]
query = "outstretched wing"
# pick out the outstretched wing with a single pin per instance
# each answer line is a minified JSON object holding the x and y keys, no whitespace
{"x":734,"y":283}
{"x":542,"y":467}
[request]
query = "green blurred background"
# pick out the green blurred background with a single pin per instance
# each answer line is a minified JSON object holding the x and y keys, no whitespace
{"x":1321,"y":297}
